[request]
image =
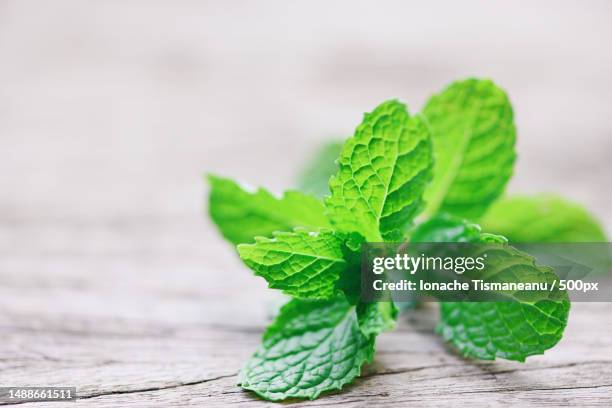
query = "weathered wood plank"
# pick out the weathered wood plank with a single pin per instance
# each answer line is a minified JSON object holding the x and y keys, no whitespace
{"x":150,"y":338}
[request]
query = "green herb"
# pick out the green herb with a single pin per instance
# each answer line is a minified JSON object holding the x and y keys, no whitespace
{"x":383,"y":171}
{"x":550,"y":219}
{"x":242,"y":215}
{"x":312,"y":347}
{"x":512,"y":330}
{"x":303,"y":264}
{"x":473,"y":138}
{"x":453,"y":162}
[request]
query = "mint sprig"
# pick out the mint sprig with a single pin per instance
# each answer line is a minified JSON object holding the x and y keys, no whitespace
{"x":454,"y":161}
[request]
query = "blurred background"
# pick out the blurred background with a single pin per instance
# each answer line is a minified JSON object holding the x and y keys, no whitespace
{"x":111,"y":112}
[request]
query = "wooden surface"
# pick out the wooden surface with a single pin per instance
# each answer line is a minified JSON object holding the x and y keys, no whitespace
{"x":111,"y":278}
{"x":172,"y":328}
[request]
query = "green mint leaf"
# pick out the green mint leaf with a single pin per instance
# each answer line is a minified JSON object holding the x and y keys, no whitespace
{"x":513,"y":330}
{"x":242,"y":215}
{"x":378,"y":317}
{"x":383,"y":170}
{"x":312,"y":347}
{"x":314,"y":178}
{"x":479,"y":330}
{"x":473,"y":137}
{"x":542,"y":218}
{"x":304,"y":264}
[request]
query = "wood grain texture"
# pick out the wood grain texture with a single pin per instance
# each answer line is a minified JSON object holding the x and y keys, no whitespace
{"x":169,"y":328}
{"x":112,"y":279}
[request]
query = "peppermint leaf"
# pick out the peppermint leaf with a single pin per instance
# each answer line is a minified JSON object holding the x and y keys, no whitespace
{"x":515,"y":329}
{"x":301,"y":263}
{"x":312,"y":347}
{"x":473,"y":138}
{"x":384,"y":169}
{"x":542,"y":218}
{"x":242,"y":215}
{"x":378,"y":317}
